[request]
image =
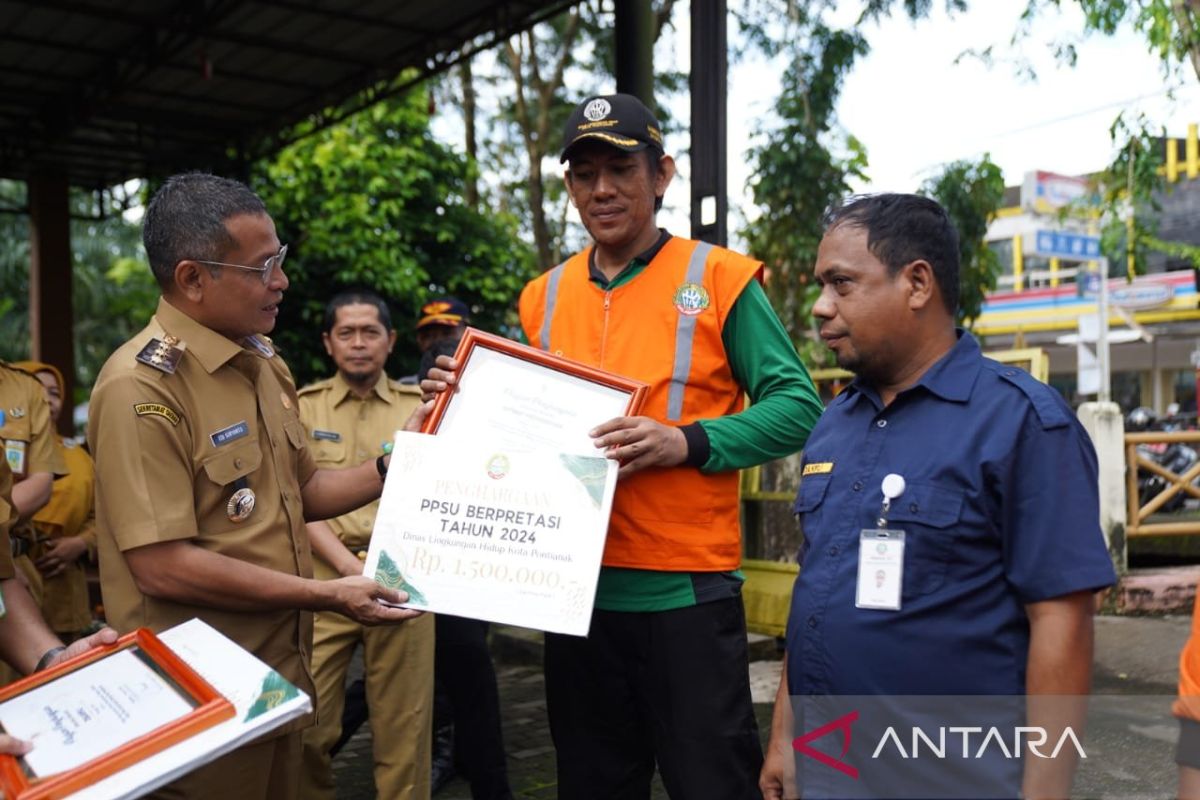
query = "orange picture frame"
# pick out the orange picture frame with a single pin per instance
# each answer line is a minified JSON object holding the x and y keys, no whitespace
{"x":474,"y":338}
{"x":208,"y":708}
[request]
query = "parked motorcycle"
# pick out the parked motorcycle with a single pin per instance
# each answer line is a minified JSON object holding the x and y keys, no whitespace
{"x":1178,"y":457}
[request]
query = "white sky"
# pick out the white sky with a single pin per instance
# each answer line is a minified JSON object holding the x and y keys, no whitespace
{"x":914,"y":109}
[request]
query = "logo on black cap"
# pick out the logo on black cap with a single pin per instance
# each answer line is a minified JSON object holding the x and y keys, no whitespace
{"x":597,"y":109}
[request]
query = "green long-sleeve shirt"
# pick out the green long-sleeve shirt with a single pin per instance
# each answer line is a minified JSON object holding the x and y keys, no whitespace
{"x":784,"y":407}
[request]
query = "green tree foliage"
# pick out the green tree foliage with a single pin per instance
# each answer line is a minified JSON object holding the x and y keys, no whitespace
{"x":114,"y":293}
{"x":376,"y":201}
{"x":797,"y":176}
{"x":1171,"y":27}
{"x":971,"y":192}
{"x":805,"y":162}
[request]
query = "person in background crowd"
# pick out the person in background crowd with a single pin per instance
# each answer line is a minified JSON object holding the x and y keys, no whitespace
{"x":349,"y":417}
{"x":66,"y":526}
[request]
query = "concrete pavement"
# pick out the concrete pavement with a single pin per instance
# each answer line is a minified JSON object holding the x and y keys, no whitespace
{"x":1130,"y":740}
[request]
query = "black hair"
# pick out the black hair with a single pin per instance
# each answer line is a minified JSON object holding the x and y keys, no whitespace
{"x":903,"y":228}
{"x":351,"y":297}
{"x":653,"y":156}
{"x":186,"y":219}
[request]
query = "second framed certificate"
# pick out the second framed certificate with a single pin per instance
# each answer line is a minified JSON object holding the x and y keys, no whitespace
{"x":524,"y":397}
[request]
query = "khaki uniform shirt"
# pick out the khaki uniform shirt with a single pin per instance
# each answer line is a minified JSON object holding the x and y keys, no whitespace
{"x":345,"y":430}
{"x":8,"y":515}
{"x":30,"y":442}
{"x":70,"y":512}
{"x":171,"y":448}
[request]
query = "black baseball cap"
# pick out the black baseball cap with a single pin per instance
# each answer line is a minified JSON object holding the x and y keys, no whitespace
{"x":620,"y":120}
{"x":444,"y":311}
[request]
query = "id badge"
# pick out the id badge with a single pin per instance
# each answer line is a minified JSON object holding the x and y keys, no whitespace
{"x":880,"y":569}
{"x":14,"y":452}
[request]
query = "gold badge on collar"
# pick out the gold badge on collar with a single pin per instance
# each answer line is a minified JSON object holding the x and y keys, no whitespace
{"x":240,"y":505}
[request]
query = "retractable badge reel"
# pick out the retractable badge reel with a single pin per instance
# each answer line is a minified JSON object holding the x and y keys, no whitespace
{"x":881,"y":555}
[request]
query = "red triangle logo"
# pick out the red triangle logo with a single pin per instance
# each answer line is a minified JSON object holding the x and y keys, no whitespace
{"x":801,"y":743}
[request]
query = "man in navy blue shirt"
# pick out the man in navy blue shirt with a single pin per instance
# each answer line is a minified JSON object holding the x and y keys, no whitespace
{"x":983,"y":581}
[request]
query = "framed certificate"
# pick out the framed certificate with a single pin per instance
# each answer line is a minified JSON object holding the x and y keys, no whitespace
{"x":100,"y":712}
{"x":530,"y":399}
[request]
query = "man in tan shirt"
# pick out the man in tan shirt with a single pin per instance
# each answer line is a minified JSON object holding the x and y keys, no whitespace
{"x":30,"y":447}
{"x":350,"y":417}
{"x":203,"y":475}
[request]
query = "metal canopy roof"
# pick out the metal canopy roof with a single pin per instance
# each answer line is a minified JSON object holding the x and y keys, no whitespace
{"x":108,"y":91}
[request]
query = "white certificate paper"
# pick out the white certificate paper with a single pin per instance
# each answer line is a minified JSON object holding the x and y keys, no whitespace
{"x":476,"y":529}
{"x":91,"y":711}
{"x":505,"y":399}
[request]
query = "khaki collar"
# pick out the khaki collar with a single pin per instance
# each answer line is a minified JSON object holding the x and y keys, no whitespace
{"x":210,"y":348}
{"x":341,"y":389}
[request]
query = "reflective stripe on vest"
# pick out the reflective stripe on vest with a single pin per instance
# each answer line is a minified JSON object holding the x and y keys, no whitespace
{"x":551,"y":299}
{"x":685,"y":333}
{"x":685,"y":328}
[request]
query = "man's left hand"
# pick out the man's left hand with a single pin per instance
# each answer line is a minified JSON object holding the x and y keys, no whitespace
{"x":640,"y":442}
{"x":102,"y":637}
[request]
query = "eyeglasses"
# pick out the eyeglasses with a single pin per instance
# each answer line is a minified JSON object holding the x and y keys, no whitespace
{"x":265,"y":271}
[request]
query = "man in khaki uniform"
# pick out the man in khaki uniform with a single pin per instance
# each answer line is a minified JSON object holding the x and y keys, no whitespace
{"x":65,"y":526}
{"x":349,"y":417}
{"x":34,"y":460}
{"x":203,"y":476}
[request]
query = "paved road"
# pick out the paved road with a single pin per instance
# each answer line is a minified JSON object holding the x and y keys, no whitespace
{"x":1130,"y":741}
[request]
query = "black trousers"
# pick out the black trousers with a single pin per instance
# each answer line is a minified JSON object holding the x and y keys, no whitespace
{"x":669,"y":688}
{"x":463,"y":668}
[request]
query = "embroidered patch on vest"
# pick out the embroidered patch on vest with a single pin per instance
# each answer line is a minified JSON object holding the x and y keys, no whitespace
{"x":156,"y":410}
{"x":691,"y":299}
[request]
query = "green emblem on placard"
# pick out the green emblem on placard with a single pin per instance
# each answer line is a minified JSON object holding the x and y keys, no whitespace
{"x":387,"y":573}
{"x":591,"y":472}
{"x":275,"y":691}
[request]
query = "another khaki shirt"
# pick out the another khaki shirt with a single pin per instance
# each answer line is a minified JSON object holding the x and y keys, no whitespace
{"x":8,"y":515}
{"x":345,"y":430}
{"x":29,"y":439}
{"x":171,"y":449}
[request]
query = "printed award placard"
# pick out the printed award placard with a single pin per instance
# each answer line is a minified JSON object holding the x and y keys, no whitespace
{"x":480,"y":530}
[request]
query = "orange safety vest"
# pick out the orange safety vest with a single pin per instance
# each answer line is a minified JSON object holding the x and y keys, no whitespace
{"x":662,"y":328}
{"x":1187,"y":705}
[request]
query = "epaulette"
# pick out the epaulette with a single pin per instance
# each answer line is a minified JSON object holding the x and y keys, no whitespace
{"x":162,"y":354}
{"x":315,"y":387}
{"x":1046,"y":404}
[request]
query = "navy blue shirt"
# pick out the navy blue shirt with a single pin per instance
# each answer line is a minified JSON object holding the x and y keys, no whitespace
{"x":1000,"y":510}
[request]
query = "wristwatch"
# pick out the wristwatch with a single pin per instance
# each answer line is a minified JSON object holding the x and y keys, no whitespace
{"x":381,"y":468}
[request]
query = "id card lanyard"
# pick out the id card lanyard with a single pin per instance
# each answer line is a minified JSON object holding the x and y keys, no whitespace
{"x":881,"y":556}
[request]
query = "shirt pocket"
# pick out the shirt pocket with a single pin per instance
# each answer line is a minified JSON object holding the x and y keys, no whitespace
{"x":327,"y":452}
{"x":295,"y":433}
{"x":929,"y":517}
{"x":226,"y":466}
{"x":810,"y":500}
